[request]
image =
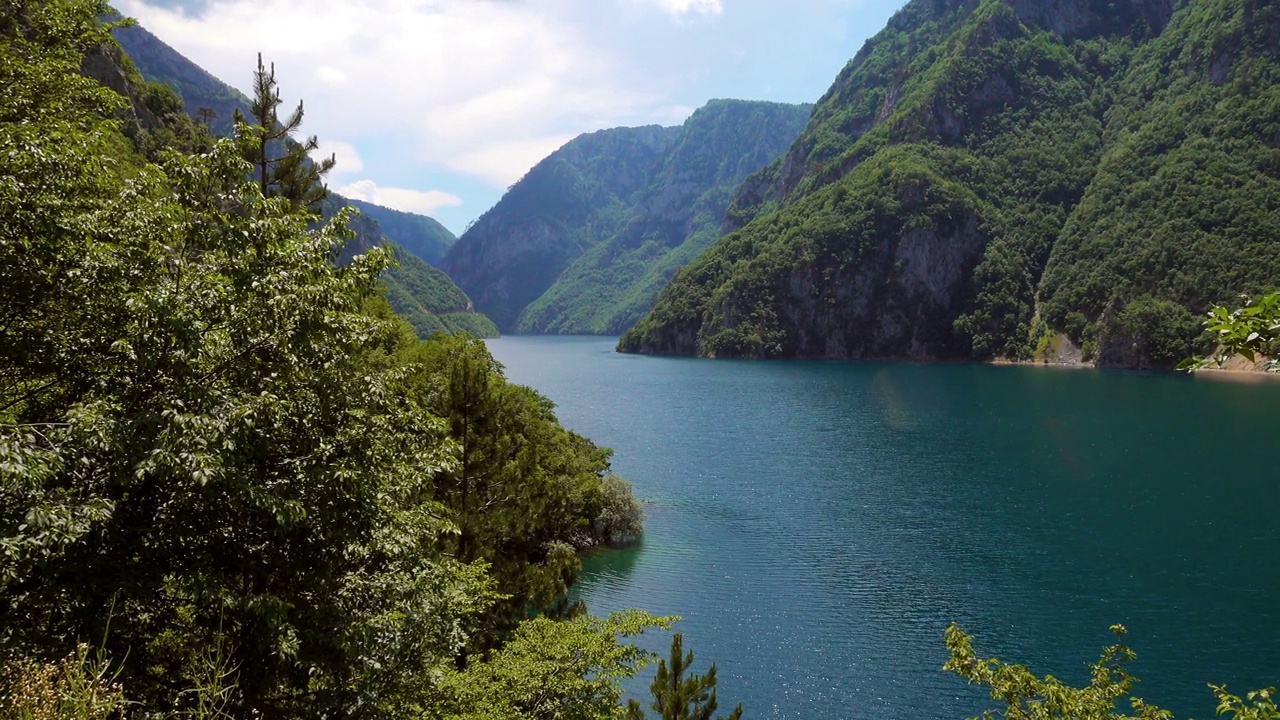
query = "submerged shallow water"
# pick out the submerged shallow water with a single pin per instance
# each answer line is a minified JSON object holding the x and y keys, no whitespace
{"x":818,"y":525}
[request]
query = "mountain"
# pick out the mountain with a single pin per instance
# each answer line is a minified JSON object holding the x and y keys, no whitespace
{"x":423,"y":294}
{"x":672,"y":220}
{"x":987,"y":175}
{"x":419,"y":292}
{"x":585,"y":240}
{"x":422,"y":236}
{"x":559,"y":209}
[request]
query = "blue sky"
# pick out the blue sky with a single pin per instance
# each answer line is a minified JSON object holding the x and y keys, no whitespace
{"x":437,"y":106}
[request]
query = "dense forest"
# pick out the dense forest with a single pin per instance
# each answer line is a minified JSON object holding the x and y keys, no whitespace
{"x":584,"y":242}
{"x":990,"y":176}
{"x":233,"y":483}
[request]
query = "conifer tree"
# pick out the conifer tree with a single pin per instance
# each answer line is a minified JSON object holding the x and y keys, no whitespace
{"x":282,"y":164}
{"x":676,"y":697}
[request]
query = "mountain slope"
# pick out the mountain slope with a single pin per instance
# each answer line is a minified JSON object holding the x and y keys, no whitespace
{"x":1184,"y":210}
{"x":672,"y":220}
{"x":916,"y":214}
{"x":424,"y":295}
{"x":561,"y":207}
{"x":420,"y":235}
{"x":584,"y":242}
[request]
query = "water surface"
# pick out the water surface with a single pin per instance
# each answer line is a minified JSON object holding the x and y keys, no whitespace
{"x":818,"y":525}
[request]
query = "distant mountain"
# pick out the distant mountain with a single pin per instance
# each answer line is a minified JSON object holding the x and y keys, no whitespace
{"x":421,"y":235}
{"x":421,"y":293}
{"x":987,"y":176}
{"x":585,"y":240}
{"x":673,"y":219}
{"x":565,"y":205}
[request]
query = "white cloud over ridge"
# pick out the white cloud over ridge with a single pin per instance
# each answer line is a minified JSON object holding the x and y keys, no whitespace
{"x":483,"y":88}
{"x":681,"y":8}
{"x":414,"y":201}
{"x":350,"y":163}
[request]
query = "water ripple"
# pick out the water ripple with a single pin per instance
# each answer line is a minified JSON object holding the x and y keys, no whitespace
{"x":818,"y":525}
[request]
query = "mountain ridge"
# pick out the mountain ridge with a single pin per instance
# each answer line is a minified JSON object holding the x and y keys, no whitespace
{"x":922,"y":212}
{"x":617,"y":211}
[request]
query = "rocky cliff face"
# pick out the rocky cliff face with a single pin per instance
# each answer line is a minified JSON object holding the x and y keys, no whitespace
{"x":1024,"y":121}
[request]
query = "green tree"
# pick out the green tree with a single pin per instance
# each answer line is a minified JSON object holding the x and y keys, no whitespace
{"x":1248,"y":331}
{"x":205,"y":437}
{"x":214,"y":436}
{"x":680,"y":697}
{"x":282,"y":165}
{"x":552,"y":670}
{"x":525,"y":493}
{"x":1027,"y":697}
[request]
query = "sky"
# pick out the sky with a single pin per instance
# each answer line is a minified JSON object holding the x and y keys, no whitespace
{"x":438,"y":106}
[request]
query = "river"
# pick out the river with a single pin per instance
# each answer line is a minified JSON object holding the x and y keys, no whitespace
{"x":817,"y":525}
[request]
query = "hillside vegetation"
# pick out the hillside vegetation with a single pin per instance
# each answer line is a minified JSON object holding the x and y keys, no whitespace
{"x":233,"y":483}
{"x":584,"y":242}
{"x":425,"y":296}
{"x":987,"y":173}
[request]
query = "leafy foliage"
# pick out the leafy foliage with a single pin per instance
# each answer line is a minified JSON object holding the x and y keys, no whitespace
{"x":566,"y":670}
{"x":213,"y":435}
{"x":1027,"y":697}
{"x":1248,"y":331}
{"x":80,"y":686}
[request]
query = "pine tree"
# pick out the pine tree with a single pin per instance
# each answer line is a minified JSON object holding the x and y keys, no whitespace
{"x":283,"y":166}
{"x":676,"y":697}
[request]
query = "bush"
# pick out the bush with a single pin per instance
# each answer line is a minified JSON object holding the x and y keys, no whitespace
{"x":80,"y":687}
{"x":621,"y":518}
{"x":1147,"y":333}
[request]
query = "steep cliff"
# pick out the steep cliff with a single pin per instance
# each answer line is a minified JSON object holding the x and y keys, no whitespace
{"x":962,"y":148}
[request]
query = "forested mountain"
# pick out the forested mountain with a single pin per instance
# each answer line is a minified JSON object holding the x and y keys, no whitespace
{"x":424,"y":295}
{"x":585,"y":240}
{"x":421,"y":235}
{"x":986,"y":174}
{"x":419,"y":292}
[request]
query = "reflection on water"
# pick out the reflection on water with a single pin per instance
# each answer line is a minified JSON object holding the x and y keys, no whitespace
{"x":817,"y":525}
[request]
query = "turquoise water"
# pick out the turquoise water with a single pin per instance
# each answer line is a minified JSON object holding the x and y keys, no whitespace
{"x":818,"y":525}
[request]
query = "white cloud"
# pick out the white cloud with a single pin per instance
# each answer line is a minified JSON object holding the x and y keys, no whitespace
{"x":415,"y":201}
{"x":332,"y":76}
{"x":347,"y":157}
{"x":681,"y":8}
{"x":483,"y":88}
{"x":350,"y":163}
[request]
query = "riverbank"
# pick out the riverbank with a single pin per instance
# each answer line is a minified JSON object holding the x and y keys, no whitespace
{"x":1060,"y":352}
